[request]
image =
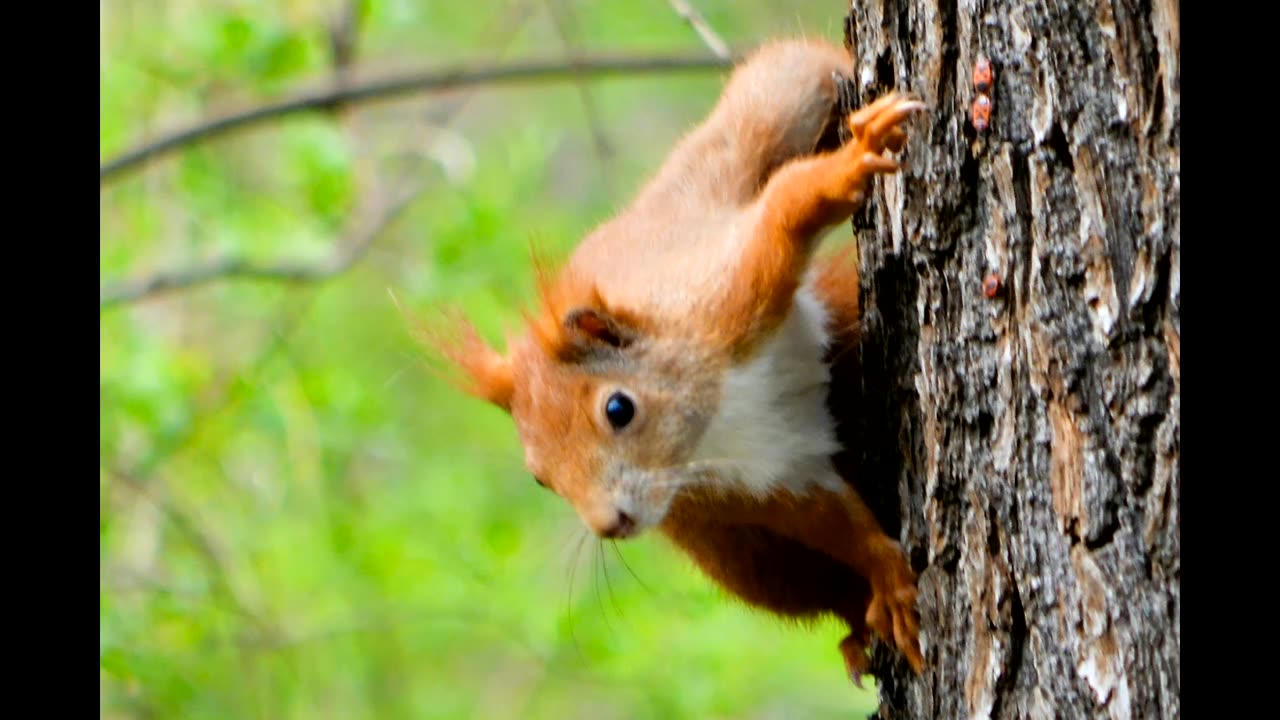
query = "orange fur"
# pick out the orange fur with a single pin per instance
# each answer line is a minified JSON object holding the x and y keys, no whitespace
{"x":662,"y":303}
{"x":477,"y":369}
{"x":837,"y":282}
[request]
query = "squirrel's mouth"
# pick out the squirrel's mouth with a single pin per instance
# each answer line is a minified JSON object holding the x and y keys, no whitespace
{"x":623,"y":527}
{"x":637,"y":500}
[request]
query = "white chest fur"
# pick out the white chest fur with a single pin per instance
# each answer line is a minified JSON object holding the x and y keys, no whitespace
{"x":772,"y":430}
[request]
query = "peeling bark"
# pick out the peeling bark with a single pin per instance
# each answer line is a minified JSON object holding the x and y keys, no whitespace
{"x":1026,"y":447}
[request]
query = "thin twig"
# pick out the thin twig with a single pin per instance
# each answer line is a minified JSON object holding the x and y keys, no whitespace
{"x":712,"y":40}
{"x":500,"y":33}
{"x":294,"y":272}
{"x":344,"y":33}
{"x":199,"y":540}
{"x":563,"y":20}
{"x":228,"y":395}
{"x":412,"y":82}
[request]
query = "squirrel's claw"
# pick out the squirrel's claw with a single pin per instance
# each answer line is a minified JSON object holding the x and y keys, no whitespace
{"x":892,"y":610}
{"x":854,"y":651}
{"x":875,"y":126}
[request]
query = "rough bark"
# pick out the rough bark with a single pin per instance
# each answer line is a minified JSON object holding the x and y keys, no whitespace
{"x":1026,"y":446}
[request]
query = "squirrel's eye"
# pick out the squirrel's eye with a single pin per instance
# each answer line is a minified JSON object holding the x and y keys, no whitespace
{"x":540,"y":482}
{"x":619,"y":409}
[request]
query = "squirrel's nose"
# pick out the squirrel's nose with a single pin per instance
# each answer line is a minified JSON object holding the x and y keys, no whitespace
{"x":623,"y":526}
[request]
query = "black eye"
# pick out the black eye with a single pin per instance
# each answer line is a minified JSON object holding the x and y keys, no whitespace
{"x":540,"y":482}
{"x":619,"y":409}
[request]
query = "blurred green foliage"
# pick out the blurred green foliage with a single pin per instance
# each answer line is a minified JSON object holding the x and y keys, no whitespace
{"x":297,"y":519}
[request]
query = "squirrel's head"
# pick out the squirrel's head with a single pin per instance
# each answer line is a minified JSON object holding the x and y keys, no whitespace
{"x":609,"y":412}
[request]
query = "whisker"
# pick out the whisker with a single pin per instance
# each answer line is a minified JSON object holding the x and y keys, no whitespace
{"x":696,"y":471}
{"x":568,"y":605}
{"x":683,"y":482}
{"x":395,"y":376}
{"x":712,"y":464}
{"x":626,"y":565}
{"x":564,"y":541}
{"x":604,"y":562}
{"x":595,"y":582}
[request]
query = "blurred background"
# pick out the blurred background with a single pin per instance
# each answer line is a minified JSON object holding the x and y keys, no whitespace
{"x":298,"y":520}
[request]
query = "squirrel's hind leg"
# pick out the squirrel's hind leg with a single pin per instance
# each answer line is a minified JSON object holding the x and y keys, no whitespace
{"x":837,"y":523}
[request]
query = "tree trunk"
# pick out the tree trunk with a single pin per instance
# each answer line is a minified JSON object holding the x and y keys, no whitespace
{"x":1032,"y":437}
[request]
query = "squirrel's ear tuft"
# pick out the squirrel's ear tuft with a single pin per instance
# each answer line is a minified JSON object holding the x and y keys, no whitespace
{"x":486,"y":374}
{"x":469,"y":363}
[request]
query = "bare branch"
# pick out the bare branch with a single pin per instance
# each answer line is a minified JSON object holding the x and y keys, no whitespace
{"x":712,"y":40}
{"x":403,"y":84}
{"x":295,"y":272}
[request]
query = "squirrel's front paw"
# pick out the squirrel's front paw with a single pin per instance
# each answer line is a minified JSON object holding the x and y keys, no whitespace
{"x":892,"y":610}
{"x":877,"y":127}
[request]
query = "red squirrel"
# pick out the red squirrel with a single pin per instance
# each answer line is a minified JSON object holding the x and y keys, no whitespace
{"x":676,"y":373}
